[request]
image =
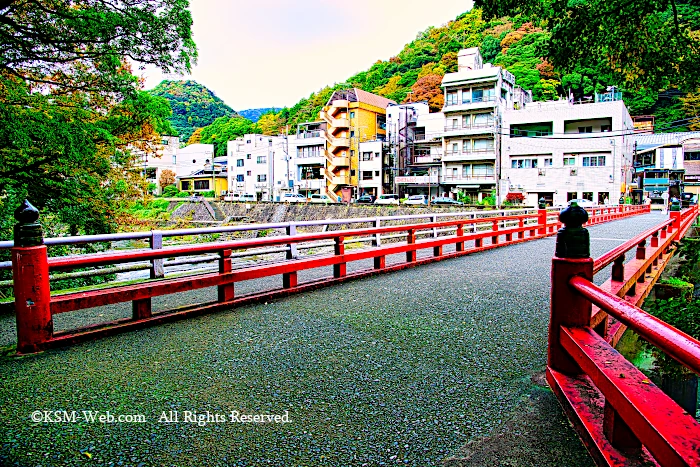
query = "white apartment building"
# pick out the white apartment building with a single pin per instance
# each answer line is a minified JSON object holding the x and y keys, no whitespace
{"x":371,"y":174}
{"x":559,"y":151}
{"x":165,"y":158}
{"x":193,"y":158}
{"x":475,"y":98}
{"x":307,"y":150}
{"x":259,"y":165}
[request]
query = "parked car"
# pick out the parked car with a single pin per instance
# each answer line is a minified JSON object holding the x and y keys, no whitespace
{"x":321,"y":199}
{"x":584,"y":203}
{"x":243,"y":197}
{"x":688,"y":199}
{"x":365,"y":199}
{"x":387,"y":199}
{"x":293,"y":198}
{"x":416,"y":199}
{"x":231,"y":196}
{"x":445,"y":200}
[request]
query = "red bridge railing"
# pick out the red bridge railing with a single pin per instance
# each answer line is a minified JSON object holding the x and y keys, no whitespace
{"x":621,"y":416}
{"x":35,"y":305}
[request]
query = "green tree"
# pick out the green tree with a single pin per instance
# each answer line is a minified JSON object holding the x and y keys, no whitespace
{"x":650,"y":44}
{"x":71,"y":111}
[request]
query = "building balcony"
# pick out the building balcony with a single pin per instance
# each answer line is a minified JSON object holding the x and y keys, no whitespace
{"x":417,"y":180}
{"x":433,"y":159}
{"x":340,"y":161}
{"x":320,"y":160}
{"x":471,"y":104}
{"x":314,"y":184}
{"x":470,"y":129}
{"x":466,"y":180}
{"x":340,"y":179}
{"x":337,"y":143}
{"x":470,"y":155}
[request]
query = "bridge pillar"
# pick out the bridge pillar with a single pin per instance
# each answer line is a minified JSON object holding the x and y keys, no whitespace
{"x":494,"y":228}
{"x":339,"y":270}
{"x":542,"y":221}
{"x":410,"y":240}
{"x":676,"y":216}
{"x":225,"y":291}
{"x":460,"y":244}
{"x":572,"y":258}
{"x":30,"y":274}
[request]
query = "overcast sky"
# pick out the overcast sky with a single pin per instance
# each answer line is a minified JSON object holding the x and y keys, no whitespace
{"x":265,"y":53}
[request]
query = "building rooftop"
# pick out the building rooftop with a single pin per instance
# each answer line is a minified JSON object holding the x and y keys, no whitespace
{"x":358,"y":95}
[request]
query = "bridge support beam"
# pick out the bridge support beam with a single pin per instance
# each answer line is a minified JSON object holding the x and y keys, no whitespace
{"x":339,"y":270}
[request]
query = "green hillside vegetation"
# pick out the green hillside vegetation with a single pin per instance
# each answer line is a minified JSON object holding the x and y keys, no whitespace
{"x":516,"y":43}
{"x":519,"y":44}
{"x":254,"y":114}
{"x":193,"y":105}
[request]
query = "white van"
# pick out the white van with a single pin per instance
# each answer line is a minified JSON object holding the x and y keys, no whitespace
{"x":387,"y":199}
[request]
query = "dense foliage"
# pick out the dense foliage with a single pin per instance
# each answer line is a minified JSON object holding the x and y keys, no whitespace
{"x":254,"y":114}
{"x":71,"y":110}
{"x":193,"y":105}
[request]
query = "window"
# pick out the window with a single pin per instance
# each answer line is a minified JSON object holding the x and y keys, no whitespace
{"x":352,"y":133}
{"x":185,"y":185}
{"x":239,"y":162}
{"x":376,"y":173}
{"x":547,"y":161}
{"x":262,"y":178}
{"x":477,"y":95}
{"x":587,"y":195}
{"x":467,"y":146}
{"x":352,"y":172}
{"x":367,"y":175}
{"x":571,"y":195}
{"x":451,"y":98}
{"x":174,"y":159}
{"x":455,"y":148}
{"x":247,"y":156}
{"x":466,"y":96}
{"x":249,"y":173}
{"x":366,"y":156}
{"x":606,"y":128}
{"x":240,"y":178}
{"x":466,"y":171}
{"x":585,"y":129}
{"x":261,"y":160}
{"x":309,"y":151}
{"x":311,"y":173}
{"x":483,"y":120}
{"x":247,"y":141}
{"x":466,"y":121}
{"x":483,"y":145}
{"x":201,"y":184}
{"x":482,"y":170}
{"x":352,"y":153}
{"x":352,"y":114}
{"x":593,"y":161}
{"x":455,"y":123}
{"x":523,"y":164}
{"x":569,"y":161}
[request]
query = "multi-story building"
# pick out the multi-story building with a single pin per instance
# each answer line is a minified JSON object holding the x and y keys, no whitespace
{"x":371,"y":168}
{"x":475,"y":98}
{"x":352,"y":116}
{"x":259,"y":165}
{"x":665,"y":162}
{"x":309,"y":156}
{"x":416,"y":143}
{"x":164,"y":158}
{"x":559,"y":151}
{"x":193,"y":158}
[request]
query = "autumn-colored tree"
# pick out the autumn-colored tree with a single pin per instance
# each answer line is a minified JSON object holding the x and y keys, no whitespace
{"x":547,"y":70}
{"x":167,"y":177}
{"x":269,"y":124}
{"x":691,"y":107}
{"x":196,"y":137}
{"x":428,"y":89}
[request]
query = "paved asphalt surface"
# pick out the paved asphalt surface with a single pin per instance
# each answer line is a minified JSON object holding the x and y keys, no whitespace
{"x":436,"y":365}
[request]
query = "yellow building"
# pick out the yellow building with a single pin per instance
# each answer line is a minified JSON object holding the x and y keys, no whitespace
{"x":352,"y":116}
{"x":211,"y":178}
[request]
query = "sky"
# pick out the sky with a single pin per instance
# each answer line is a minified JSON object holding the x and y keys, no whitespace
{"x":271,"y":53}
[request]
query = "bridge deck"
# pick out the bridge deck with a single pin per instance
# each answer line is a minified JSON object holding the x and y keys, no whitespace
{"x":411,"y":368}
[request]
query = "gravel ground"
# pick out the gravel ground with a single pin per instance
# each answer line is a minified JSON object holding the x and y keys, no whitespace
{"x":408,"y":368}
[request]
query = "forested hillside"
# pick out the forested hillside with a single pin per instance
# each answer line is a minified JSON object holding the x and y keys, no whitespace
{"x":254,"y":114}
{"x":193,"y":105}
{"x":517,"y":43}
